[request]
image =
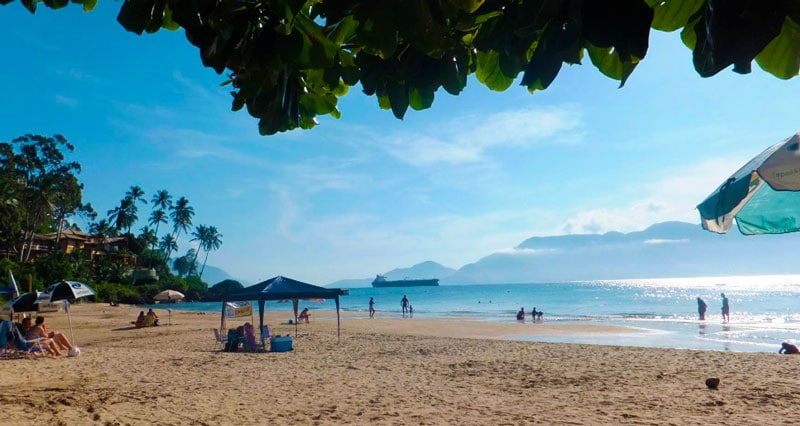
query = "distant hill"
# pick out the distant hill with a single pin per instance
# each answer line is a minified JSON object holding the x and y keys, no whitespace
{"x":212,"y":275}
{"x":428,"y":269}
{"x":669,"y":249}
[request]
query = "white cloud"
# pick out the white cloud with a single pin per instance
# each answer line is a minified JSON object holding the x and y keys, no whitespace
{"x":65,"y":100}
{"x":470,"y":139}
{"x":671,"y":195}
{"x":657,"y":241}
{"x":514,"y":251}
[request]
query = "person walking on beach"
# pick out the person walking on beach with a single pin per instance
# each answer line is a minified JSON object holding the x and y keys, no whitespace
{"x":404,"y":305}
{"x":701,"y":308}
{"x":372,"y":307}
{"x":726,"y":309}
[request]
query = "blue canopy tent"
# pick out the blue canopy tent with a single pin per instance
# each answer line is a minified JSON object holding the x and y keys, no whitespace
{"x":282,"y":288}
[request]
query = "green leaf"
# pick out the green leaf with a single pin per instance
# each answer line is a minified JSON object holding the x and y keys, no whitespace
{"x":608,"y":62}
{"x":384,"y":103}
{"x":88,"y":5}
{"x":56,"y":4}
{"x":417,"y":25}
{"x":319,"y":104}
{"x":672,"y":14}
{"x":156,"y":17}
{"x":781,"y":57}
{"x":167,"y":23}
{"x":421,"y":98}
{"x":467,"y":5}
{"x":349,"y":70}
{"x":398,"y":98}
{"x":30,"y":5}
{"x":489,"y":73}
{"x":134,"y":14}
{"x":343,"y":30}
{"x":321,"y":50}
{"x":378,"y":31}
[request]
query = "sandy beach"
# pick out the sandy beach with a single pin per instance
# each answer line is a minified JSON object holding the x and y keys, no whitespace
{"x":382,"y":371}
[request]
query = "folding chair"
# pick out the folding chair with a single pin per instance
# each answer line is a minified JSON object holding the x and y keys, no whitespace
{"x":221,"y":339}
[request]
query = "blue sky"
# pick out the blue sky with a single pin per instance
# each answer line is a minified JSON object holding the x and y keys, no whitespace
{"x":361,"y":195}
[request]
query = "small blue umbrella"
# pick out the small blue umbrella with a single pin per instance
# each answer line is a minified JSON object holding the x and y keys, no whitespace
{"x":763,"y":197}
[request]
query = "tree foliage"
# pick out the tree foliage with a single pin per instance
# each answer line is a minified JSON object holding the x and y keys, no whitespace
{"x":289,"y":61}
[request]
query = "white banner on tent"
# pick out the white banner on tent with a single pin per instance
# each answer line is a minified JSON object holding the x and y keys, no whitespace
{"x":238,"y":309}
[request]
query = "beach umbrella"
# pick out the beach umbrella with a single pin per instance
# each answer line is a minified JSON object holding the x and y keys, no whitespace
{"x":763,"y":196}
{"x":64,"y":291}
{"x":168,"y":296}
{"x":27,"y":302}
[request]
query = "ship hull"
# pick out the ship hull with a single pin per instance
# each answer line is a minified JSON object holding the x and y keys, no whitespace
{"x":407,"y":283}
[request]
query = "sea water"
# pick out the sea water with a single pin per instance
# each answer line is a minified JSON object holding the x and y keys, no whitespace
{"x":764,"y":309}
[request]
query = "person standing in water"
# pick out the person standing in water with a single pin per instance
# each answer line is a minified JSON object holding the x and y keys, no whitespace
{"x":372,"y":307}
{"x":726,"y":309}
{"x":701,"y":308}
{"x":404,"y":305}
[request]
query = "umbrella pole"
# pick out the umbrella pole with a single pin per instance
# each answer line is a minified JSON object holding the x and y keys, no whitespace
{"x":69,"y":319}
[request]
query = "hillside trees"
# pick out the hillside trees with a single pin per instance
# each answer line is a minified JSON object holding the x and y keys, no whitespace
{"x":289,"y":61}
{"x":41,"y":186}
{"x":40,"y":193}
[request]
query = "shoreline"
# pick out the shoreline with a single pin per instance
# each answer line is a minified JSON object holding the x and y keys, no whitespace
{"x":380,"y":372}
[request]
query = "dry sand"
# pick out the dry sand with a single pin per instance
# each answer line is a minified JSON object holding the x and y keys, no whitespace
{"x":383,"y":371}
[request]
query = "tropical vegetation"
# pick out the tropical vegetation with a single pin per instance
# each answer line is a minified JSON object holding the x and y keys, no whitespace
{"x":42,"y":197}
{"x":289,"y":61}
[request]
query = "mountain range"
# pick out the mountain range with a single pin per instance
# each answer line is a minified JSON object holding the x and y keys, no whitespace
{"x":664,"y":250}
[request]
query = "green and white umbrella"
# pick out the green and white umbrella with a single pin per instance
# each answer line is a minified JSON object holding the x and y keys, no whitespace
{"x":763,"y":196}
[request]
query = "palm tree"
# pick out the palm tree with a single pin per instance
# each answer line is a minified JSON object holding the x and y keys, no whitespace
{"x":181,"y":216}
{"x":213,"y":241}
{"x":200,"y":234}
{"x":167,"y":245}
{"x":162,"y":202}
{"x":147,"y":237}
{"x":157,"y":217}
{"x":102,"y":229}
{"x":136,"y":194}
{"x":124,"y":216}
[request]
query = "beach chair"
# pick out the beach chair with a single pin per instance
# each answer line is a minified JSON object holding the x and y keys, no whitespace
{"x":221,"y":339}
{"x":250,"y":344}
{"x":32,"y":346}
{"x":7,"y":352}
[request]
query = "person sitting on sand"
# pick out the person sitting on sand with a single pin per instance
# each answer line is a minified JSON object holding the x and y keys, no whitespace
{"x":788,"y":349}
{"x":304,"y":315}
{"x":151,"y":319}
{"x":54,"y":340}
{"x":40,"y":330}
{"x":139,"y":323}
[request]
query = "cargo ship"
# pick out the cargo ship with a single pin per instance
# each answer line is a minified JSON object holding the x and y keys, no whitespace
{"x":381,"y":281}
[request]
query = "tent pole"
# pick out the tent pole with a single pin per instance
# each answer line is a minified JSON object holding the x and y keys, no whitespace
{"x":338,"y":325}
{"x":261,"y":320}
{"x":295,"y":302}
{"x":222,"y":319}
